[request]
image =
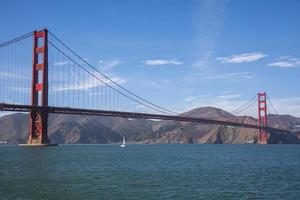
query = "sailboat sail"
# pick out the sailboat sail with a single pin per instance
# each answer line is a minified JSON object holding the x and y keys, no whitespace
{"x":123,"y":142}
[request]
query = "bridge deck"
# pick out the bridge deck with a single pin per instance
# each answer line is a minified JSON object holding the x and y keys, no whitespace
{"x":76,"y":111}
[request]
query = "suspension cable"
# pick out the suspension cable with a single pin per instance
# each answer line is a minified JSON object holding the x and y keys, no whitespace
{"x":245,"y":107}
{"x":241,"y":108}
{"x":269,"y":100}
{"x":22,"y":37}
{"x":118,"y":85}
{"x":269,"y":111}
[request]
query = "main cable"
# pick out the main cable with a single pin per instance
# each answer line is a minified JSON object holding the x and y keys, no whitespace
{"x":22,"y":37}
{"x":269,"y":100}
{"x":241,"y":108}
{"x":245,"y":107}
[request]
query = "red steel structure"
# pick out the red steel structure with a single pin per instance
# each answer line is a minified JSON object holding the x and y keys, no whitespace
{"x":262,"y":117}
{"x":39,"y":95}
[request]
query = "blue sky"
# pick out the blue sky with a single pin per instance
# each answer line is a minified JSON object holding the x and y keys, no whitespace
{"x":179,"y":54}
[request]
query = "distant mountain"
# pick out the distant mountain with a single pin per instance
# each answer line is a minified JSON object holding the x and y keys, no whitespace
{"x":88,"y":129}
{"x":14,"y":128}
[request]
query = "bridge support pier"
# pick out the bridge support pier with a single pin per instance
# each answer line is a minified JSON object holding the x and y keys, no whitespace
{"x":38,"y":128}
{"x":262,"y":118}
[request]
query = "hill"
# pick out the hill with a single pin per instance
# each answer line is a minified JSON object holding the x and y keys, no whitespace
{"x":89,"y":129}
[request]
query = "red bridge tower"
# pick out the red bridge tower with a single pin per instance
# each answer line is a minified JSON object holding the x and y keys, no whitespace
{"x":262,"y":118}
{"x":39,"y":95}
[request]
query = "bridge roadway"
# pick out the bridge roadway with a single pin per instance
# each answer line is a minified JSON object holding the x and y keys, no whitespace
{"x":106,"y":113}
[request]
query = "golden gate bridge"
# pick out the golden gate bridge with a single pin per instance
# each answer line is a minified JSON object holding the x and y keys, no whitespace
{"x":41,"y":75}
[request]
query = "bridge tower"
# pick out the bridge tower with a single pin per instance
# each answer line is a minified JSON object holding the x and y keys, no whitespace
{"x":262,"y":118}
{"x":39,"y":91}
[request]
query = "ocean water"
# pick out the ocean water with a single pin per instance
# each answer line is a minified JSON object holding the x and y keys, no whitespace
{"x":150,"y":172}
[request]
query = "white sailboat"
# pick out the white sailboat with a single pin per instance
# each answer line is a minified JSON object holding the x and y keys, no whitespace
{"x":123,"y":143}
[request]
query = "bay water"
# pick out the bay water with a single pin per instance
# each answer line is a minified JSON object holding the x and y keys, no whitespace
{"x":150,"y":172}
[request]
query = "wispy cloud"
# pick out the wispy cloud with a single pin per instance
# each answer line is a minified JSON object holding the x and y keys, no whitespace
{"x":197,"y":77}
{"x":163,"y":62}
{"x":190,"y":98}
{"x":86,"y":84}
{"x":12,"y":75}
{"x":62,"y":63}
{"x":155,"y":85}
{"x":223,"y":96}
{"x":67,"y":62}
{"x":285,"y":62}
{"x":108,"y":65}
{"x":25,"y":90}
{"x":160,"y":83}
{"x":242,"y":58}
{"x":248,"y":75}
{"x":11,"y":101}
{"x":232,"y":75}
{"x":229,"y":96}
